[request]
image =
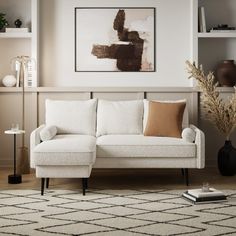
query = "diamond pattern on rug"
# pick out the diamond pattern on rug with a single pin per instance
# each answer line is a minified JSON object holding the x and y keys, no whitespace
{"x":75,"y":229}
{"x":121,"y":222}
{"x":113,"y":213}
{"x":116,"y":233}
{"x":120,"y":211}
{"x":119,"y":201}
{"x":165,"y":229}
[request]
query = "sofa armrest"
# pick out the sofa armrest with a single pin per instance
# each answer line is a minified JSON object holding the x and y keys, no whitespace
{"x":200,"y":142}
{"x":34,"y":141}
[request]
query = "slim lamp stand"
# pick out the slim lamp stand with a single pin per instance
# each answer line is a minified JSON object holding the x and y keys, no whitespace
{"x":15,"y":178}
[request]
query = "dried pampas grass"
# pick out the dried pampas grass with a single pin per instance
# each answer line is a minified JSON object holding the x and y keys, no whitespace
{"x":221,"y":113}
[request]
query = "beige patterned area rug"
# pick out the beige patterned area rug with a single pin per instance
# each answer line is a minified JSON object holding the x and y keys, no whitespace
{"x":113,"y":213}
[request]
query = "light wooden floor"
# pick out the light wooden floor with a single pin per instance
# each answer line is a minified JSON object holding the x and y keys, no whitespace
{"x":129,"y":179}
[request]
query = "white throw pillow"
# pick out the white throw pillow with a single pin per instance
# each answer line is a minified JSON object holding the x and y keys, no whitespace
{"x":188,"y":135}
{"x":48,"y":132}
{"x":119,"y":117}
{"x":72,"y":117}
{"x":185,"y":122}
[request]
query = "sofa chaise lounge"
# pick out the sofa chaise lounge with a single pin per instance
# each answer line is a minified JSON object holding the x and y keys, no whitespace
{"x":81,"y":135}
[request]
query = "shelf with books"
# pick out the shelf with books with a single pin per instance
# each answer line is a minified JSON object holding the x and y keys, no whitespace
{"x":23,"y":41}
{"x":214,"y":32}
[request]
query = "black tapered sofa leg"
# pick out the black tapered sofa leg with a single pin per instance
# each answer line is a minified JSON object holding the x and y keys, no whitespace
{"x":42,"y":185}
{"x":84,"y":184}
{"x":186,"y":176}
{"x":47,"y":182}
{"x":182,"y":171}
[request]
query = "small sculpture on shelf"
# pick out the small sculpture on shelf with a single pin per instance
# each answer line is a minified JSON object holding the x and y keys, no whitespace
{"x":9,"y":81}
{"x":3,"y":21}
{"x":18,"y":23}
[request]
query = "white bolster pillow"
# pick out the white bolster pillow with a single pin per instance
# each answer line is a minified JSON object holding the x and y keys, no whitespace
{"x":188,"y":135}
{"x":48,"y":132}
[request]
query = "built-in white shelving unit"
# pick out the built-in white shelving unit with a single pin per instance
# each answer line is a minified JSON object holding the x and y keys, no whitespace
{"x":17,"y":44}
{"x":211,"y":48}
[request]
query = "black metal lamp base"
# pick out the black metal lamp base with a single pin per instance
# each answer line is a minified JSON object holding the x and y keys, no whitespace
{"x":14,"y":179}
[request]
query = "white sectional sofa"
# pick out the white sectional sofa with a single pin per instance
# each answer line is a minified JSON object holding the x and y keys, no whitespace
{"x":107,"y":134}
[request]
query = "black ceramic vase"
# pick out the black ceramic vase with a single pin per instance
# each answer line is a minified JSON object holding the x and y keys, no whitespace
{"x":227,"y":159}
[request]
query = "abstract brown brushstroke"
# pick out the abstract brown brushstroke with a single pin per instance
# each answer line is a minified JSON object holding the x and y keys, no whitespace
{"x":129,"y":56}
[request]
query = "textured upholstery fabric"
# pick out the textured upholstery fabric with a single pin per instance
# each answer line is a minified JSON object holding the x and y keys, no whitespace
{"x":165,"y":119}
{"x":66,"y":150}
{"x":200,"y":143}
{"x":48,"y":132}
{"x":188,"y":135}
{"x":34,"y":141}
{"x":142,"y":146}
{"x":74,"y":155}
{"x":146,"y":110}
{"x":56,"y":171}
{"x":72,"y":117}
{"x":119,"y":117}
{"x":146,"y":162}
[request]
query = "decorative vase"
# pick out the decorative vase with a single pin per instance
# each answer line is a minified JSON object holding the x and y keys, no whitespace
{"x":227,"y":159}
{"x":18,"y":23}
{"x":9,"y":81}
{"x":226,"y":73}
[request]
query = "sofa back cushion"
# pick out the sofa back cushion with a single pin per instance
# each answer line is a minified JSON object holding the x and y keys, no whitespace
{"x":119,"y":117}
{"x":185,"y":122}
{"x":72,"y":117}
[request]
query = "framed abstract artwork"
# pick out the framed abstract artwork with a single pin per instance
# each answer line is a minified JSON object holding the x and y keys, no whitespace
{"x":115,"y":39}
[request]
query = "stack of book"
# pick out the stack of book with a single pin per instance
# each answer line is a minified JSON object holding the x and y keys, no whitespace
{"x":223,"y":29}
{"x":197,"y":196}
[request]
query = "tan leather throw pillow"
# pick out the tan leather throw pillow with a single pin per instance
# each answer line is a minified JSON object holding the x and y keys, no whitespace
{"x":165,"y":119}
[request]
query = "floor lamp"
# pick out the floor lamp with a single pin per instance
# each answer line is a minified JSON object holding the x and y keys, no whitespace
{"x":22,"y":62}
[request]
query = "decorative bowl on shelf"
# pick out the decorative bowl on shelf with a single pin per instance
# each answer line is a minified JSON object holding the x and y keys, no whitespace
{"x":9,"y":81}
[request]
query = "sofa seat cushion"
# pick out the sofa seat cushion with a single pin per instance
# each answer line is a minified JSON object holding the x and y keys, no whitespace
{"x":143,"y":146}
{"x":66,"y":150}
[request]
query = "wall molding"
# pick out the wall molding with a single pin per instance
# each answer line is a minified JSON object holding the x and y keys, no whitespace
{"x":110,"y":89}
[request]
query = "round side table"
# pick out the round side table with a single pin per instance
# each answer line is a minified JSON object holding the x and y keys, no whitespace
{"x":15,"y":178}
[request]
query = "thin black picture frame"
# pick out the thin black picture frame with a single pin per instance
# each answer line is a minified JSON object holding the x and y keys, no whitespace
{"x":75,"y":36}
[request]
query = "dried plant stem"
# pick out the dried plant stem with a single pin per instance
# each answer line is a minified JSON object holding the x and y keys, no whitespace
{"x":221,"y":113}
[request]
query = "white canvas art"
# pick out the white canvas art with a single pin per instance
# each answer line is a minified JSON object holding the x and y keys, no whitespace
{"x":115,"y":39}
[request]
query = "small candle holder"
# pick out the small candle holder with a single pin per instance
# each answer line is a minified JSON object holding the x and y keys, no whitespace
{"x":205,"y":187}
{"x":14,"y":127}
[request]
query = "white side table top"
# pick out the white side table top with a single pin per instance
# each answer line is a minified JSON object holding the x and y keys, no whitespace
{"x":12,"y":131}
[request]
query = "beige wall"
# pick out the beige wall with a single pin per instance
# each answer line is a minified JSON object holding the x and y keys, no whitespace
{"x":173,"y":39}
